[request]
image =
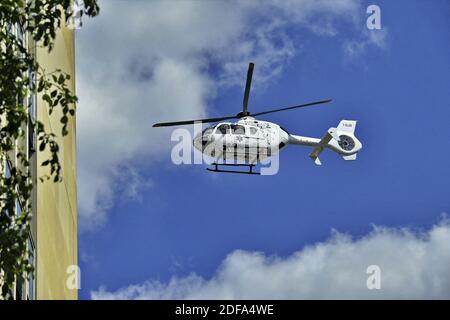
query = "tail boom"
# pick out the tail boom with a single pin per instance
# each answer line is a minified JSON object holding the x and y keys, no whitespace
{"x":341,"y":140}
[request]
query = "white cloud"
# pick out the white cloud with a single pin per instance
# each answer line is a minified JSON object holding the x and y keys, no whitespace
{"x":141,"y":62}
{"x":369,"y":39}
{"x":413,"y":265}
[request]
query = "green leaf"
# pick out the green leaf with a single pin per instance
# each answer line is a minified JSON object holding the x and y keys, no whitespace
{"x":61,"y":79}
{"x":47,"y":98}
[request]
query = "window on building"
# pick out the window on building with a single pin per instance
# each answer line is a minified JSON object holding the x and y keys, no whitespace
{"x":18,"y":208}
{"x":31,"y":138}
{"x":32,"y":97}
{"x":31,"y":115}
{"x":31,"y":259}
{"x":20,"y":33}
{"x":7,"y":169}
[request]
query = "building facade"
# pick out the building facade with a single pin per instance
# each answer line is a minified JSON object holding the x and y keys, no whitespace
{"x":56,"y":203}
{"x":52,"y":241}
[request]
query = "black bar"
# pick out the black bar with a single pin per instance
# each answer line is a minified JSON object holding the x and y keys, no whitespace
{"x":229,"y":309}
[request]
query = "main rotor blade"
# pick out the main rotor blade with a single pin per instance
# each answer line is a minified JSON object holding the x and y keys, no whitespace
{"x":181,"y":123}
{"x":247,"y":88}
{"x":289,"y":108}
{"x":207,"y":120}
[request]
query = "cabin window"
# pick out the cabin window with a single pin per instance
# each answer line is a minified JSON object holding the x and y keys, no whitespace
{"x":253,"y":130}
{"x":238,"y":129}
{"x":223,"y":129}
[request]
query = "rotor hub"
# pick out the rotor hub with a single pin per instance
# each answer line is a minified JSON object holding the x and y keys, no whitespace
{"x":243,"y":114}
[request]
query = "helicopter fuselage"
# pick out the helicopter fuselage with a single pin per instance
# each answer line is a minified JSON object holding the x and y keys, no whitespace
{"x":252,"y":141}
{"x":248,"y":140}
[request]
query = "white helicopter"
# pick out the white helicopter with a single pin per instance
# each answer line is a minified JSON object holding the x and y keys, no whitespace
{"x":249,"y":141}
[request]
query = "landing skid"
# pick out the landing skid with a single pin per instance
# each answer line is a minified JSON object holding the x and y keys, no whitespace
{"x":249,"y":166}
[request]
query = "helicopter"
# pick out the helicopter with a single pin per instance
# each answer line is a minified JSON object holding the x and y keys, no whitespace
{"x":249,"y":141}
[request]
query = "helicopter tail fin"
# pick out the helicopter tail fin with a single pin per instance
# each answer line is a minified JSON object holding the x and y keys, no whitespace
{"x":341,"y":140}
{"x":346,"y":127}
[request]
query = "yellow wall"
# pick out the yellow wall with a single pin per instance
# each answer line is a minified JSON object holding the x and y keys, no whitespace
{"x":56,"y":206}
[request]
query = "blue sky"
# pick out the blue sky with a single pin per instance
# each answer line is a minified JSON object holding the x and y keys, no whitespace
{"x":183,"y":219}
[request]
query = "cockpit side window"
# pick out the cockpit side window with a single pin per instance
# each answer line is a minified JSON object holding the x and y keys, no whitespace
{"x":223,"y":129}
{"x":253,"y":130}
{"x":237,"y":129}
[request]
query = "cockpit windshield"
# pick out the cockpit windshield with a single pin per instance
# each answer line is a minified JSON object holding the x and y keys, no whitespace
{"x":207,"y":131}
{"x":237,"y":129}
{"x":223,"y":129}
